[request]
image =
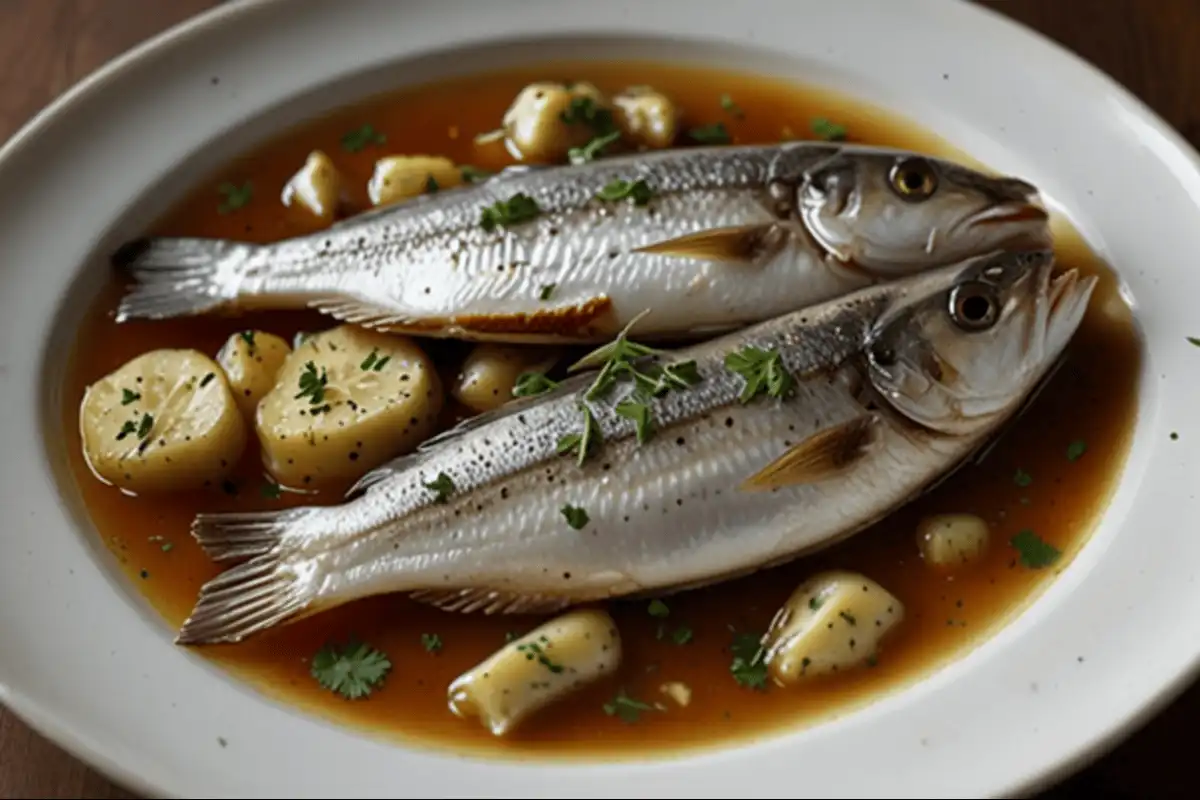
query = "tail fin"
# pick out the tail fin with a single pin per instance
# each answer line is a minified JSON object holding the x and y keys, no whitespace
{"x":179,"y":277}
{"x":236,"y":535}
{"x":246,"y":599}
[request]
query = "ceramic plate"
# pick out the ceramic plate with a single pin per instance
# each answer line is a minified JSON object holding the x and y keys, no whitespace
{"x":89,"y":665}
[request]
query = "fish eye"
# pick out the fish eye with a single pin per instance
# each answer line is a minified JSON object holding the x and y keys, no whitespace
{"x":974,"y":306}
{"x":913,"y":179}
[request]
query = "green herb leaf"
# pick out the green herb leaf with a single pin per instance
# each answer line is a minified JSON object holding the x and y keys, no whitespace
{"x":576,"y":516}
{"x":353,"y":671}
{"x":617,"y":189}
{"x":529,"y":384}
{"x":732,"y":107}
{"x":547,"y":291}
{"x":271,"y":490}
{"x":474,"y":174}
{"x":247,"y":337}
{"x":584,"y":111}
{"x":682,"y":635}
{"x":356,"y":140}
{"x":127,"y":428}
{"x":583,"y":443}
{"x":639,"y":412}
{"x":1034,"y":552}
{"x":1022,"y":478}
{"x":442,"y":485}
{"x":146,"y":425}
{"x":658,"y":609}
{"x":762,"y":370}
{"x":715,"y":133}
{"x":748,"y":667}
{"x":431,"y":642}
{"x":593,"y":149}
{"x":626,"y":708}
{"x":312,"y":385}
{"x":535,"y":650}
{"x":235,"y":196}
{"x":518,"y":208}
{"x":129,"y":396}
{"x":431,"y":185}
{"x":829,"y":131}
{"x":373,"y":362}
{"x":1076,"y":449}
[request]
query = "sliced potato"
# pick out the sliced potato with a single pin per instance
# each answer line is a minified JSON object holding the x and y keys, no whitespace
{"x":491,"y":370}
{"x":544,"y":121}
{"x":251,"y":360}
{"x":317,"y":187}
{"x":548,"y":663}
{"x":949,"y":540}
{"x":164,"y":421}
{"x":398,"y":178}
{"x":646,"y":116}
{"x":365,"y":398}
{"x":833,"y":622}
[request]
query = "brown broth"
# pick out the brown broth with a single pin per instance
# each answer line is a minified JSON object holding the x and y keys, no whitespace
{"x":1091,"y":399}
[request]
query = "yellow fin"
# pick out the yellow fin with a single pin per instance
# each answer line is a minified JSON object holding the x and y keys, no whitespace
{"x":490,"y":601}
{"x":744,"y":243}
{"x":825,"y":453}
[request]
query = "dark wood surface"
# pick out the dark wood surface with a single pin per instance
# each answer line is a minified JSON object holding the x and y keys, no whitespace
{"x":1150,"y":46}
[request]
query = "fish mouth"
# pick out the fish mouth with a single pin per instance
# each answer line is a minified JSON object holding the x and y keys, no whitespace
{"x":1011,"y":213}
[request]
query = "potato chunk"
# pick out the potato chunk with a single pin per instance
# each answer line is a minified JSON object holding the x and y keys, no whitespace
{"x":490,"y":372}
{"x":164,"y":421}
{"x":646,"y":117}
{"x":399,"y":178}
{"x":316,"y":187}
{"x":547,"y":119}
{"x":950,"y":540}
{"x":251,"y":360}
{"x":345,"y":401}
{"x":545,"y":665}
{"x":833,"y":622}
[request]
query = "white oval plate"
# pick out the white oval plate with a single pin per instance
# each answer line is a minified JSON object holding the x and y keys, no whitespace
{"x":88,"y":664}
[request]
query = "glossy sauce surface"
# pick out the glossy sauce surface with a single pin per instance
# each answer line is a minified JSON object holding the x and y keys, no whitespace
{"x":1027,"y":482}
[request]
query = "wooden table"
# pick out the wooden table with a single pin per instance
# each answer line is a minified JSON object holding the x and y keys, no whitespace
{"x":1151,"y":46}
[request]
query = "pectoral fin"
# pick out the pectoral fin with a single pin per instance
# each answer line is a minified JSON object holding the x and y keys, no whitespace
{"x":745,"y":243}
{"x":821,"y":455}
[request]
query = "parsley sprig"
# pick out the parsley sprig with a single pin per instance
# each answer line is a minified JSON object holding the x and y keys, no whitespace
{"x":312,"y":386}
{"x":626,"y":708}
{"x":353,"y":671}
{"x":748,"y":667}
{"x":516,"y":209}
{"x":762,"y":370}
{"x":618,"y":189}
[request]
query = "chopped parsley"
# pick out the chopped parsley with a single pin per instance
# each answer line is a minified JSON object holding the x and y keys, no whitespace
{"x":312,"y":385}
{"x":682,"y":635}
{"x":1033,"y":551}
{"x":529,"y":384}
{"x":733,"y":108}
{"x":145,"y":426}
{"x":534,"y":650}
{"x":1193,"y":340}
{"x":1076,"y":449}
{"x":431,"y":642}
{"x":829,"y":131}
{"x":658,"y":609}
{"x":583,"y":443}
{"x":748,"y":667}
{"x":584,"y":111}
{"x":473,"y":174}
{"x":576,"y":516}
{"x":547,"y":291}
{"x":442,"y":485}
{"x":431,"y":185}
{"x":127,"y":428}
{"x":247,"y":337}
{"x":373,"y":362}
{"x":271,"y":490}
{"x":626,"y":708}
{"x":638,"y":191}
{"x":357,"y":139}
{"x":1022,"y":478}
{"x":593,"y":149}
{"x":715,"y":133}
{"x":516,"y":209}
{"x":235,"y":196}
{"x":639,"y":412}
{"x":207,"y":379}
{"x":762,"y":370}
{"x":354,"y":671}
{"x":129,"y":396}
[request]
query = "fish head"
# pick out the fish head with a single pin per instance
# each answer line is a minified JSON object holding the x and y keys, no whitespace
{"x":892,"y":213}
{"x":961,"y":358}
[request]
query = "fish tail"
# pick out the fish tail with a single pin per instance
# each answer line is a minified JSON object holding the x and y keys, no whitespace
{"x":237,"y":535}
{"x":176,"y":277}
{"x":244,"y":600}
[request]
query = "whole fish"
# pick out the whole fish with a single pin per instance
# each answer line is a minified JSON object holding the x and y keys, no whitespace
{"x":707,"y":239}
{"x":684,"y":468}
